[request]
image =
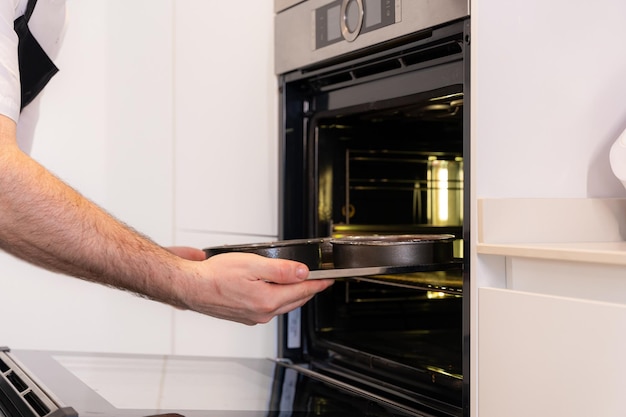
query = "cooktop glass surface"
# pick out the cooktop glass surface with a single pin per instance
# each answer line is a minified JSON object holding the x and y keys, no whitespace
{"x":140,"y":385}
{"x":170,"y":383}
{"x":118,"y":385}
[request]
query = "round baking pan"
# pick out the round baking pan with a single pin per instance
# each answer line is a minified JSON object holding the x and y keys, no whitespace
{"x":392,"y":250}
{"x":307,"y":251}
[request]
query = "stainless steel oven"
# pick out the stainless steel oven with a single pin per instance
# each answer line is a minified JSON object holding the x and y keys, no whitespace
{"x":374,"y":131}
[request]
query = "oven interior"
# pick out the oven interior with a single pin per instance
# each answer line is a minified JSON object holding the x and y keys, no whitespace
{"x":396,"y":170}
{"x":396,"y":165}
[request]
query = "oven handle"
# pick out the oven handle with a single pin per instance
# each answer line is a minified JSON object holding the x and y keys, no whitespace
{"x":348,"y":387}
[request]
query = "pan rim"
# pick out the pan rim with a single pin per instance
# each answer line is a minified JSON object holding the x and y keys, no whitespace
{"x":392,"y":240}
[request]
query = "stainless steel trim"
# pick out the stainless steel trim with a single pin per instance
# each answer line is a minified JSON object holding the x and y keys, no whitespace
{"x":295,"y":30}
{"x":327,"y":379}
{"x":280,"y":5}
{"x":345,"y":30}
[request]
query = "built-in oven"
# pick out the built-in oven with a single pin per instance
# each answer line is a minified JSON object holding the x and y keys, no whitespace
{"x":374,"y":139}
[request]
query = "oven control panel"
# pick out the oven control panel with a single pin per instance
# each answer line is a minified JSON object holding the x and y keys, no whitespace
{"x":308,"y":32}
{"x":345,"y":20}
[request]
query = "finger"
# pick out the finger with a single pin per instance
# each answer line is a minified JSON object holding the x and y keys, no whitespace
{"x":191,"y":254}
{"x":289,"y":297}
{"x":261,"y":268}
{"x":286,"y":308}
{"x":281,"y":271}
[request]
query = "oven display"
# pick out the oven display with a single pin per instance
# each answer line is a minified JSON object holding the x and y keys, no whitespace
{"x":329,"y":18}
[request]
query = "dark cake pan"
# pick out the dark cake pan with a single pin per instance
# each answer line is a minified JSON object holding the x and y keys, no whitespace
{"x":392,"y":250}
{"x":307,"y":251}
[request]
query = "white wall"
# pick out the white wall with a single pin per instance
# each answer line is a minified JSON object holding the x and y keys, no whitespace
{"x":548,"y":81}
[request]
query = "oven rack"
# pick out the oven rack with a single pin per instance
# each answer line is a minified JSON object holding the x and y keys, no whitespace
{"x":335,"y":273}
{"x":440,"y":278}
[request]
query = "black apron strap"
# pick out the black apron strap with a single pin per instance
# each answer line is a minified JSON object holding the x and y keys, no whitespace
{"x":30,"y":6}
{"x":36,"y":68}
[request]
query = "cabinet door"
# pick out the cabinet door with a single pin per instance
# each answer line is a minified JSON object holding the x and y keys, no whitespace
{"x":226,"y":117}
{"x":551,"y":356}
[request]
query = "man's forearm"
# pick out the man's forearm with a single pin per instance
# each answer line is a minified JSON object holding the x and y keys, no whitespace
{"x":48,"y":223}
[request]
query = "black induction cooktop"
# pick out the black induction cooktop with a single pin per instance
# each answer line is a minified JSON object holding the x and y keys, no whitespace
{"x":66,"y":384}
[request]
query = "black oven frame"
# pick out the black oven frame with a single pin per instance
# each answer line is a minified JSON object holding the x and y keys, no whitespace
{"x":322,"y":87}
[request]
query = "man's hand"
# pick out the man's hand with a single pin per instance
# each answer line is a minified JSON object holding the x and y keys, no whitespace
{"x":249,"y":288}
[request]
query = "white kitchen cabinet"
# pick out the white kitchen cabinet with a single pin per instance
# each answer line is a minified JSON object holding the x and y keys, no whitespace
{"x":584,"y":280}
{"x":226,"y":117}
{"x":549,"y":334}
{"x":549,"y":356}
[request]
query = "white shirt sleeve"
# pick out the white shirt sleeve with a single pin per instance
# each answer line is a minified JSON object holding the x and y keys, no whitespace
{"x":47,"y":24}
{"x":9,"y":68}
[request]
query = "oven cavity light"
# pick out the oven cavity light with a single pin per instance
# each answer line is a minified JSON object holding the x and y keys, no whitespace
{"x":431,"y":295}
{"x":437,"y":177}
{"x":443,"y":193}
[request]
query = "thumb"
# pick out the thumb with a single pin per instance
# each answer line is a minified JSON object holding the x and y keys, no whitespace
{"x":283,"y":271}
{"x":185,"y":252}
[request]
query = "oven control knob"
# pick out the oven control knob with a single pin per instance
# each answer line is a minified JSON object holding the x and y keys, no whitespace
{"x":351,"y":19}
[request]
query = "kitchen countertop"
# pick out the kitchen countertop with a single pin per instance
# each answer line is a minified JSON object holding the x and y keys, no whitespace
{"x":580,"y":230}
{"x":613,"y":253}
